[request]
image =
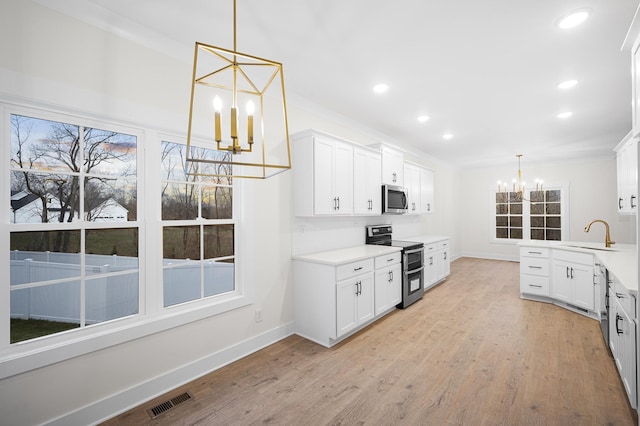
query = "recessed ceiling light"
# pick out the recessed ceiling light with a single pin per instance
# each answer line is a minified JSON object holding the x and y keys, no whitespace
{"x":447,"y":136}
{"x":574,"y":18}
{"x":423,"y":118}
{"x":567,"y":84}
{"x":566,"y":114}
{"x":380,"y":88}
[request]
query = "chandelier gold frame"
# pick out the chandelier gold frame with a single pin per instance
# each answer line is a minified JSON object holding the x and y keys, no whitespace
{"x":241,"y":71}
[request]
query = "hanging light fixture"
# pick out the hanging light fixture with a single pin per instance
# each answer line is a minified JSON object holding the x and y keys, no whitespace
{"x":239,"y":100}
{"x":518,"y":185}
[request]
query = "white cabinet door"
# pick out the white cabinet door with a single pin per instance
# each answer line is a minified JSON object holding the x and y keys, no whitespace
{"x":333,"y":177}
{"x":343,"y":178}
{"x":412,"y":184}
{"x":427,"y":191}
{"x":627,"y":175}
{"x":431,"y":267}
{"x":388,"y":288}
{"x":561,"y":288}
{"x":443,"y":263}
{"x":392,"y":166}
{"x":365,"y":299}
{"x":346,"y":306}
{"x":367,"y":182}
{"x":324,"y":198}
{"x":583,"y":288}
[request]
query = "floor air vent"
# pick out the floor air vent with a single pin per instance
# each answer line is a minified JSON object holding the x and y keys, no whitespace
{"x":165,"y":406}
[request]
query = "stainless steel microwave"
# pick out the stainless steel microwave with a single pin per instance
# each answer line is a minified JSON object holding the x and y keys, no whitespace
{"x":394,"y":200}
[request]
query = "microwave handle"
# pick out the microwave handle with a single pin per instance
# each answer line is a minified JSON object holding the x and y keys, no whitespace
{"x":404,"y":200}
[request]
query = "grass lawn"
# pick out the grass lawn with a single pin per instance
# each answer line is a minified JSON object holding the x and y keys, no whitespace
{"x":30,"y":329}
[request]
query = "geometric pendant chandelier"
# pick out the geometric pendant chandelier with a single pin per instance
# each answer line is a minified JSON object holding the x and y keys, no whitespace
{"x":238,"y":104}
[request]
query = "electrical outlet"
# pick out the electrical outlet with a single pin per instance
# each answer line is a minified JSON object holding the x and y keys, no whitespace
{"x":258,"y":315}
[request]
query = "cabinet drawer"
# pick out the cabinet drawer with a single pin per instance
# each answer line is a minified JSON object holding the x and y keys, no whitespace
{"x":532,"y":284}
{"x":626,"y":299}
{"x":387,"y":259}
{"x":534,"y":252}
{"x":573,"y":256}
{"x":443,"y":244}
{"x":431,"y":248}
{"x":355,"y":268}
{"x":534,"y":266}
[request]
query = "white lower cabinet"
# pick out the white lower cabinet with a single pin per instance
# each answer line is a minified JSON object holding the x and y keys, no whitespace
{"x":388,"y":283}
{"x":354,"y":302}
{"x":534,"y":271}
{"x":443,"y":263}
{"x":622,"y":336}
{"x":430,"y":265}
{"x":333,"y":300}
{"x":573,"y":279}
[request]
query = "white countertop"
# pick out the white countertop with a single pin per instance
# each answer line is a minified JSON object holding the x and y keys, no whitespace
{"x":427,"y":239}
{"x":347,"y":255}
{"x":621,"y":259}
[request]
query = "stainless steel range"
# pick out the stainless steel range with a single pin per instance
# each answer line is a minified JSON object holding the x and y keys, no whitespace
{"x":412,"y":262}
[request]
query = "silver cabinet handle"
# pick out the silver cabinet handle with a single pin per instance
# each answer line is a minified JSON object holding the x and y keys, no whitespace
{"x":535,"y":267}
{"x":535,"y":285}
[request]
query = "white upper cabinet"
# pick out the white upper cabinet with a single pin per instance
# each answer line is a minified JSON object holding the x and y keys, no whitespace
{"x":427,"y":191}
{"x":367,"y":181}
{"x":392,"y":166}
{"x":627,"y":174}
{"x":323,"y":175}
{"x":419,"y":186}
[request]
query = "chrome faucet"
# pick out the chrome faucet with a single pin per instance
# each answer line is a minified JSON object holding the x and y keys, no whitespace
{"x":607,"y":237}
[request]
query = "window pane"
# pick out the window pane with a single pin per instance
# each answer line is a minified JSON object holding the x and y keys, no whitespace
{"x":109,"y":153}
{"x":502,"y":209}
{"x":41,"y":197}
{"x":502,"y":232}
{"x":516,"y":233}
{"x":218,"y":241}
{"x":553,"y":208}
{"x":553,"y":235}
{"x":111,"y":250}
{"x":43,"y":256}
{"x":516,"y":208}
{"x":181,"y":282}
{"x":57,"y":304}
{"x":537,"y":234}
{"x":181,"y":242}
{"x":553,"y":196}
{"x":537,"y":196}
{"x":218,"y":277}
{"x":179,"y":201}
{"x":501,"y":197}
{"x":110,"y":200}
{"x":502,"y":221}
{"x":515,"y":221}
{"x":553,"y":222}
{"x":537,"y":208}
{"x":537,"y":222}
{"x":216,"y":202}
{"x":111,"y":297}
{"x":44,"y":145}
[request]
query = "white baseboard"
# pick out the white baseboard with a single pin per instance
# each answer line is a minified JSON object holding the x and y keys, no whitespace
{"x":115,"y":404}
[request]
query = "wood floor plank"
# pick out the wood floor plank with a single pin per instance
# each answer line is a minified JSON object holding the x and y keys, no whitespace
{"x":471,"y":352}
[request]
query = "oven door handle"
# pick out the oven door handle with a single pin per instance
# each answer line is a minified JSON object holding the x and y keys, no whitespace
{"x":413,"y":251}
{"x":414,"y":271}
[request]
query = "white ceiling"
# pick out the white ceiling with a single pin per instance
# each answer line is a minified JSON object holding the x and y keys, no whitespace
{"x":485,"y":71}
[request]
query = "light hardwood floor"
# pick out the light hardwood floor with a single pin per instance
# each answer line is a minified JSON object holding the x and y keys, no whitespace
{"x":471,"y":352}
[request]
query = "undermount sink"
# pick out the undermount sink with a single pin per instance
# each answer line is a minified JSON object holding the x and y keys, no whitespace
{"x":589,"y":246}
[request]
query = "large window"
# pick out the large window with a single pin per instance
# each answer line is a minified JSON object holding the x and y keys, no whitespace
{"x":538,"y":215}
{"x":197,"y":226}
{"x":74,"y":239}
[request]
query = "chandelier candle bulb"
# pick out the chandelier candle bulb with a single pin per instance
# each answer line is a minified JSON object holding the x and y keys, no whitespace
{"x":217,"y":106}
{"x":234,"y":123}
{"x":250,"y":110}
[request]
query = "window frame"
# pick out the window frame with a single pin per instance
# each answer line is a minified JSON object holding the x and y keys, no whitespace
{"x":563,"y":187}
{"x":152,"y":317}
